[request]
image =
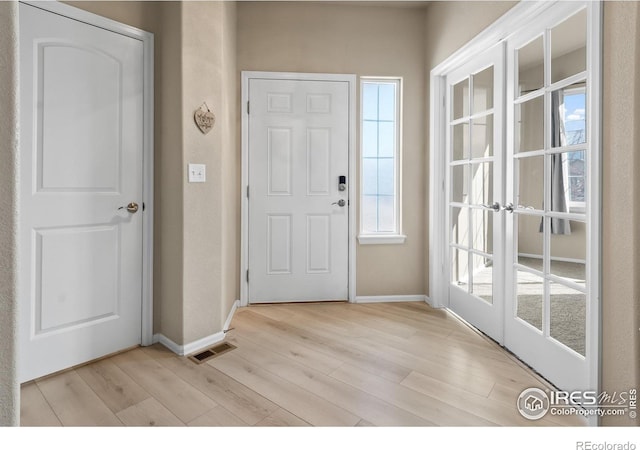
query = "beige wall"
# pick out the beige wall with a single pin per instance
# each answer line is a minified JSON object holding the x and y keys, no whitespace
{"x":621,"y":200}
{"x":334,"y":38}
{"x":9,"y":394}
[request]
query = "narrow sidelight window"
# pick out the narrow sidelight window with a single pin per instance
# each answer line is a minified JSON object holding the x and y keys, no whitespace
{"x":380,"y":150}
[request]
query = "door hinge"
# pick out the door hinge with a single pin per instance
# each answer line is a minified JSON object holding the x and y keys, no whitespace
{"x":247,"y":191}
{"x":247,"y":276}
{"x":248,"y":109}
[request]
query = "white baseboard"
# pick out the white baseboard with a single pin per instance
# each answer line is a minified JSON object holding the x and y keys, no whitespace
{"x":227,"y":323}
{"x":390,"y":298}
{"x":194,"y":346}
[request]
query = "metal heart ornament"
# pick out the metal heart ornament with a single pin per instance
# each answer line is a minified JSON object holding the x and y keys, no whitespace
{"x":204,"y":119}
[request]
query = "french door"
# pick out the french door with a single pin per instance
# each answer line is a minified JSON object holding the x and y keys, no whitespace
{"x":475,"y":191}
{"x":521,"y":192}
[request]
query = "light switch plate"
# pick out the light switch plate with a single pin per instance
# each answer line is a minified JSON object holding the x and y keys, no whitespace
{"x":197,"y":173}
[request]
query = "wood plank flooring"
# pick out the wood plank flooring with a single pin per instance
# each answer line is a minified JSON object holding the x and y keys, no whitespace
{"x":320,"y":364}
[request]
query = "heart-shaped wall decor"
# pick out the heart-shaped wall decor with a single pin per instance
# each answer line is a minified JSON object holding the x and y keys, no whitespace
{"x":204,"y":119}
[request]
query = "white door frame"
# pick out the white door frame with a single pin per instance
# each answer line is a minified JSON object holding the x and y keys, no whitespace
{"x":514,"y":20}
{"x":244,"y":244}
{"x":147,"y":187}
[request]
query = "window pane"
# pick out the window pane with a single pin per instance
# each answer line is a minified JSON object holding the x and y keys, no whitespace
{"x":531,"y":182}
{"x":483,"y":90}
{"x":369,"y":213}
{"x":369,"y":101}
{"x":530,"y":125}
{"x":530,"y":294}
{"x":567,"y":180}
{"x":370,"y":176}
{"x":568,"y":316}
{"x":574,"y":111}
{"x":369,"y":139}
{"x":530,"y":240}
{"x":482,"y":183}
{"x":482,"y":137}
{"x":531,"y":67}
{"x":460,"y":268}
{"x":460,"y":134}
{"x":482,"y":278}
{"x":461,"y":99}
{"x":386,"y":178}
{"x":460,"y":226}
{"x":386,"y":139}
{"x":459,"y":184}
{"x":482,"y":230}
{"x":569,"y":47}
{"x":386,"y":214}
{"x":387,"y":102}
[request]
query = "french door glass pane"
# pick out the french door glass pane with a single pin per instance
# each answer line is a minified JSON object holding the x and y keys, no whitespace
{"x":569,"y":252}
{"x":460,"y":133}
{"x":460,"y":99}
{"x":460,"y":226}
{"x":483,"y":90}
{"x":569,"y":47}
{"x":531,"y":66}
{"x":568,"y":177}
{"x":460,"y":267}
{"x":482,"y":230}
{"x":482,"y":183}
{"x":482,"y":137}
{"x":529,"y":241}
{"x":482,"y":278}
{"x":459,"y":183}
{"x":530,"y":296}
{"x":568,"y":316}
{"x":530,"y":125}
{"x":530,"y":193}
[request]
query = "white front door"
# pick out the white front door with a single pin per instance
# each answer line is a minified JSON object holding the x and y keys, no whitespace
{"x":298,"y":210}
{"x":474,"y":193}
{"x":81,"y":164}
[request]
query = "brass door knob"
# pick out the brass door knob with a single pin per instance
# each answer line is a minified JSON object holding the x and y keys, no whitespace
{"x":132,"y":207}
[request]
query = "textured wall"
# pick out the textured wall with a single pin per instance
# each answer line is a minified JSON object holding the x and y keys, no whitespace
{"x":9,"y":395}
{"x":361,"y":40}
{"x":621,"y":201}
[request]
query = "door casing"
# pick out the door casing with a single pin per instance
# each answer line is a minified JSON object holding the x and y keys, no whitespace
{"x":147,"y":40}
{"x":244,"y":251}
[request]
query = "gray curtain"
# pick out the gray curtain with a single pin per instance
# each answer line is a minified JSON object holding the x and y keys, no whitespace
{"x":559,"y":196}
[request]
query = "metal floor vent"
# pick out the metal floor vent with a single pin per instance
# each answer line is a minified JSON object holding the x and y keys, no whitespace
{"x":211,"y":352}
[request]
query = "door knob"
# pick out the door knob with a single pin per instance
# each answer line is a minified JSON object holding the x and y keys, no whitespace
{"x":340,"y":203}
{"x":495,"y":207}
{"x":131,"y":207}
{"x":509,"y":207}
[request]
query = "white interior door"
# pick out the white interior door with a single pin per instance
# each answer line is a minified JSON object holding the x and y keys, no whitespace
{"x":298,"y":210}
{"x":81,"y":161}
{"x":475,"y":190}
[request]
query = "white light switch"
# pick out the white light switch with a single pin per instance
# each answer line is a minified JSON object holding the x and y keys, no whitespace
{"x":197,"y":173}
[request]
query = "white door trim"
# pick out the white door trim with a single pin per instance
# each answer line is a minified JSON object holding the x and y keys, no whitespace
{"x":147,"y":188}
{"x":514,"y":20}
{"x":244,"y":245}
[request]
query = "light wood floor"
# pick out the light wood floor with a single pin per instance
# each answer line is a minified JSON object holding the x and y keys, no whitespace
{"x":331,"y":364}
